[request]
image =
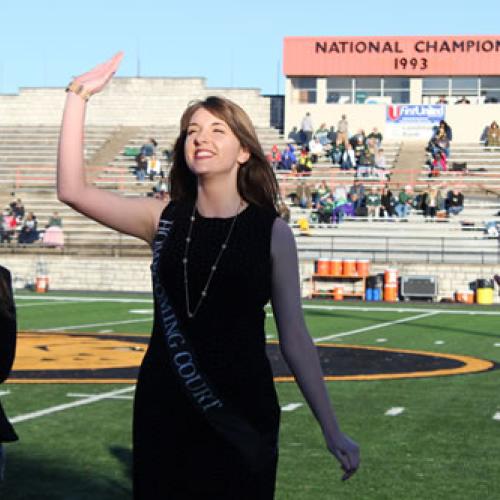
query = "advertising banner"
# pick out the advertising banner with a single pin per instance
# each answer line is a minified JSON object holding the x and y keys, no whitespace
{"x":413,"y":121}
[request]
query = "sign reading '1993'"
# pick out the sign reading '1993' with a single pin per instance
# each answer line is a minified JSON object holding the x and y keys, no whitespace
{"x":414,"y":56}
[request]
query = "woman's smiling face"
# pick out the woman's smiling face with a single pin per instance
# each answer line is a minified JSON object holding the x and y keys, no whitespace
{"x":211,"y":147}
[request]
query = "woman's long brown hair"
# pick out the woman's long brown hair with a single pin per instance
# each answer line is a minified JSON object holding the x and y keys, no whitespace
{"x":256,"y":182}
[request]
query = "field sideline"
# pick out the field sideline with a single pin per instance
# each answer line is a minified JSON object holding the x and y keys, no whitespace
{"x":421,"y":438}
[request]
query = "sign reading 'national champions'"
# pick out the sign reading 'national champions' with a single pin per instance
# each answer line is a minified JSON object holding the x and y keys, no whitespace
{"x":392,"y":56}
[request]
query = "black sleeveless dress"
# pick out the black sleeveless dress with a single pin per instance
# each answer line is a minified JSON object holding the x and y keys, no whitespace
{"x":177,"y":453}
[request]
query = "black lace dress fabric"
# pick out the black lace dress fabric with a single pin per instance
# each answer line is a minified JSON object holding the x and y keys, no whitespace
{"x":177,"y":454}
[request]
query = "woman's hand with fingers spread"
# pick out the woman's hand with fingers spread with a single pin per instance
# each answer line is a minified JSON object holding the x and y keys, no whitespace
{"x":95,"y":80}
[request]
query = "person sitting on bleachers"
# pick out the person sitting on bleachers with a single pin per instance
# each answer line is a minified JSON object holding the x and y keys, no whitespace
{"x":274,"y":157}
{"x":29,"y":232}
{"x":320,"y":191}
{"x":336,"y":153}
{"x":149,"y":149}
{"x":373,"y":202}
{"x":454,"y":202}
{"x":332,"y":136}
{"x":17,"y":208}
{"x":288,"y":159}
{"x":315,"y":149}
{"x":441,"y":139}
{"x":294,"y":135}
{"x":53,"y":235}
{"x":305,"y":164}
{"x":154,"y":167}
{"x":404,"y":204}
{"x":359,"y":148}
{"x":387,"y":203}
{"x":325,"y":209}
{"x":322,"y":134}
{"x":431,"y":201}
{"x":438,"y":164}
{"x":380,"y":168}
{"x":493,"y":135}
{"x":141,"y":166}
{"x":9,"y":225}
{"x":303,"y":195}
{"x":375,"y":134}
{"x":462,"y":100}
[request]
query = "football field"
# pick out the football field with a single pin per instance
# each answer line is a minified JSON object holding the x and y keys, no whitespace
{"x":416,"y":385}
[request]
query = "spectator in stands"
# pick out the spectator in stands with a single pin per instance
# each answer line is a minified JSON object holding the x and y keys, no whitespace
{"x":306,"y":128}
{"x":9,"y":225}
{"x":359,"y":148}
{"x":442,"y":100}
{"x":454,"y":202}
{"x":340,"y":201}
{"x":161,"y":186}
{"x":322,"y":134}
{"x":387,"y":203}
{"x":288,"y":159}
{"x":154,"y":167}
{"x":303,"y":195}
{"x":332,"y":135}
{"x":325,"y":209}
{"x":149,"y":149}
{"x":53,"y":235}
{"x":343,"y":131}
{"x":438,"y":164}
{"x":294,"y":136}
{"x":462,"y":100}
{"x":29,"y":231}
{"x":315,"y":149}
{"x":357,"y":188}
{"x":431,"y":201}
{"x":373,"y":202}
{"x":336,"y":153}
{"x":375,"y":134}
{"x":141,"y":166}
{"x":358,"y":137}
{"x":404,"y":204}
{"x":8,"y":333}
{"x":380,"y":168}
{"x":304,"y":165}
{"x":321,"y":190}
{"x":17,"y":208}
{"x":274,"y":157}
{"x":493,"y":135}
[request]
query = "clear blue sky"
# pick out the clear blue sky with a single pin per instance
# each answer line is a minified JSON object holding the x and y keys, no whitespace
{"x":230,"y":43}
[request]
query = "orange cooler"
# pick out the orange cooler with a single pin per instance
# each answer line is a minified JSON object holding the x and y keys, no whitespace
{"x":363,"y":267}
{"x":41,"y":284}
{"x":336,"y":267}
{"x":338,"y":293}
{"x":391,"y":276}
{"x":323,"y":267}
{"x":465,"y":297}
{"x":390,"y":292}
{"x":349,"y":268}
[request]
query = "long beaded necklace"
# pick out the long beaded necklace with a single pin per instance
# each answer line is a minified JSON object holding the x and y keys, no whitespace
{"x":214,"y":266}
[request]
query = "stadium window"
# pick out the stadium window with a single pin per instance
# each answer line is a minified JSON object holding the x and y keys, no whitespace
{"x":398,"y":89}
{"x":338,"y":90}
{"x":464,"y":86}
{"x":490,"y":89}
{"x":433,"y":88}
{"x":366,"y":88}
{"x":304,"y":90}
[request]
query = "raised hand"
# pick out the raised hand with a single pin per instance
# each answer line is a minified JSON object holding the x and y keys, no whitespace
{"x":96,"y":79}
{"x":346,"y":451}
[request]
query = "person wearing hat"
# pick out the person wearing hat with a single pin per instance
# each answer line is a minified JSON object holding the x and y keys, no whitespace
{"x":7,"y":351}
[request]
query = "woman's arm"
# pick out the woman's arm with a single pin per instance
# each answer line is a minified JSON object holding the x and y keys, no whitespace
{"x":137,"y":217}
{"x":297,"y":346}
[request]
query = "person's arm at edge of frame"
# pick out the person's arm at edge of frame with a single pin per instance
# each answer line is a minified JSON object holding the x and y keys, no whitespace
{"x":297,"y":346}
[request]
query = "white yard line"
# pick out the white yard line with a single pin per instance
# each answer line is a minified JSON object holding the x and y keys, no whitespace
{"x":93,"y":325}
{"x":4,"y":393}
{"x":80,"y":395}
{"x":399,"y":310}
{"x":83,"y":299}
{"x":496,"y":416}
{"x":396,"y":410}
{"x":291,"y":406}
{"x":375,"y":327}
{"x":85,"y":401}
{"x":39,"y":304}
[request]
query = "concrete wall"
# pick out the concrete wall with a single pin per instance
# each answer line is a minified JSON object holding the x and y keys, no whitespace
{"x":129,"y":101}
{"x":467,"y":121}
{"x":133,"y":274}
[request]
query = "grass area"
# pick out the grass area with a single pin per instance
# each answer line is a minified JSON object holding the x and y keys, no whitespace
{"x":443,"y":446}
